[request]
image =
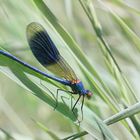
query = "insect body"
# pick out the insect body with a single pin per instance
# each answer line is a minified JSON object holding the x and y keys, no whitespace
{"x":48,"y":55}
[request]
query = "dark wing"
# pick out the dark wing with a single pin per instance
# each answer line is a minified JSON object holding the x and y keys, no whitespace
{"x":46,"y":52}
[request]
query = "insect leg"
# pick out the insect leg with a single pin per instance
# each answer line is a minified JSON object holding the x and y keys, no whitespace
{"x":62,"y":96}
{"x":74,"y":108}
{"x":82,"y":106}
{"x":71,"y":100}
{"x":48,"y":90}
{"x":76,"y":102}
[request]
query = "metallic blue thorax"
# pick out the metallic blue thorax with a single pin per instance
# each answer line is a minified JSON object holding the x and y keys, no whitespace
{"x":78,"y":88}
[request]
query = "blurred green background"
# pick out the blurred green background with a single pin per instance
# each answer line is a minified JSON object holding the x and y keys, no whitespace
{"x":17,"y":109}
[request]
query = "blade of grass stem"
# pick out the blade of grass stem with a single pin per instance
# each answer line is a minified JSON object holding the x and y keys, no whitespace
{"x":90,"y":11}
{"x":130,"y":111}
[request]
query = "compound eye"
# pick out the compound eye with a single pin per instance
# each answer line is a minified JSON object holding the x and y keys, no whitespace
{"x":89,"y":95}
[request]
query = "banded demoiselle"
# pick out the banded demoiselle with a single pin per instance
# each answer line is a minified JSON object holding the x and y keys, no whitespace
{"x":48,"y":55}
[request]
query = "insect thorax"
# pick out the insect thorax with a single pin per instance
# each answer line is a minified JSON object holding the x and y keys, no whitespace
{"x":77,"y":87}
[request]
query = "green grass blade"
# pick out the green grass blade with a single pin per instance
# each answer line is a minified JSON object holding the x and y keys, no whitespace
{"x":111,"y":62}
{"x":75,"y":136}
{"x":130,"y":111}
{"x":44,"y":128}
{"x":136,"y":124}
{"x":130,"y":33}
{"x":109,"y":58}
{"x":8,"y":136}
{"x":123,"y":5}
{"x":135,"y":39}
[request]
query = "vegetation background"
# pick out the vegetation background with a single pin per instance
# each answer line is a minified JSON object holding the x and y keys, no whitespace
{"x":95,"y":33}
